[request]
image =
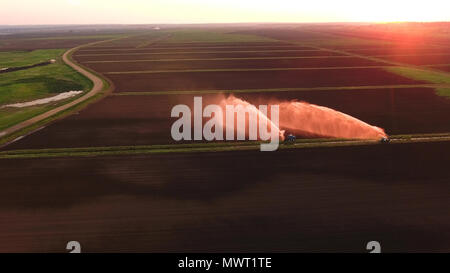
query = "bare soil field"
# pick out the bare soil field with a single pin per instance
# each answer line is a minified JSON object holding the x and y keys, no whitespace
{"x":347,"y":37}
{"x":298,"y":34}
{"x":141,"y":120}
{"x":285,"y":201}
{"x":138,"y":56}
{"x":243,"y":47}
{"x":230,"y":64}
{"x":444,"y":68}
{"x":162,"y":44}
{"x":104,"y":46}
{"x":185,"y":81}
{"x":413,"y":33}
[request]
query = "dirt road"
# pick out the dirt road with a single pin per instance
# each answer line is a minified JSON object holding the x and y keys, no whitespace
{"x":97,"y":87}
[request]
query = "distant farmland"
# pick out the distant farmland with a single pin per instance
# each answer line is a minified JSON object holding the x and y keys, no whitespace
{"x":355,"y":85}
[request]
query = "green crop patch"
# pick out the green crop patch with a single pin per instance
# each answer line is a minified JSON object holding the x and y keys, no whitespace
{"x":39,"y":82}
{"x":23,"y":58}
{"x":445,"y":92}
{"x":35,"y":83}
{"x":424,"y":75}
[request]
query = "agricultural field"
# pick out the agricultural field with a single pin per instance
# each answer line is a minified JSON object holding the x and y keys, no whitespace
{"x":142,"y":119}
{"x":34,"y":83}
{"x":292,"y":200}
{"x":443,"y":68}
{"x":228,"y":63}
{"x":29,"y":39}
{"x":118,"y":159}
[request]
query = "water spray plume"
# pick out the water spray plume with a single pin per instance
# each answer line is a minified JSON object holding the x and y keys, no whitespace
{"x":313,"y":120}
{"x":261,"y":118}
{"x":309,"y":120}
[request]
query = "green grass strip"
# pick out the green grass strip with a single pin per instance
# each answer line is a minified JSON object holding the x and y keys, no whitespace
{"x":188,"y":48}
{"x":199,"y":52}
{"x":299,"y":89}
{"x":221,"y":59}
{"x":242,"y":70}
{"x":426,"y":75}
{"x":208,"y":147}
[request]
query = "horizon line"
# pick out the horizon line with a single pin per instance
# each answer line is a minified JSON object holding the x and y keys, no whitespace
{"x":224,"y":23}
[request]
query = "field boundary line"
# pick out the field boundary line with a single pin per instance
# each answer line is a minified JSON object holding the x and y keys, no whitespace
{"x":201,"y":52}
{"x":273,"y":58}
{"x":378,"y":58}
{"x":294,"y":89}
{"x":435,"y":65}
{"x":409,"y":55}
{"x":222,"y":59}
{"x":147,"y":43}
{"x":200,"y":47}
{"x":243,"y":69}
{"x":405,"y":49}
{"x":413,"y":67}
{"x":212,"y":147}
{"x":371,"y":58}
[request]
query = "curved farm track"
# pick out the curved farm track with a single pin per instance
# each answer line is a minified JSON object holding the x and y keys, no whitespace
{"x":98,"y":86}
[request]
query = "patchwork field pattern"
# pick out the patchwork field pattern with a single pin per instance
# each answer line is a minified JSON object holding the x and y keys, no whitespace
{"x":279,"y":69}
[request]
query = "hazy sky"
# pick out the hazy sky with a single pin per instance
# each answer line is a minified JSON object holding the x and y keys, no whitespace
{"x":217,"y":11}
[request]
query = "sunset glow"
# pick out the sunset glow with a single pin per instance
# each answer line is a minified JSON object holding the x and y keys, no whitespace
{"x":215,"y":11}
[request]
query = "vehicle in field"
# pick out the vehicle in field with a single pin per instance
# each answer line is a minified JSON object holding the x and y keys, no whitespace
{"x":290,"y":138}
